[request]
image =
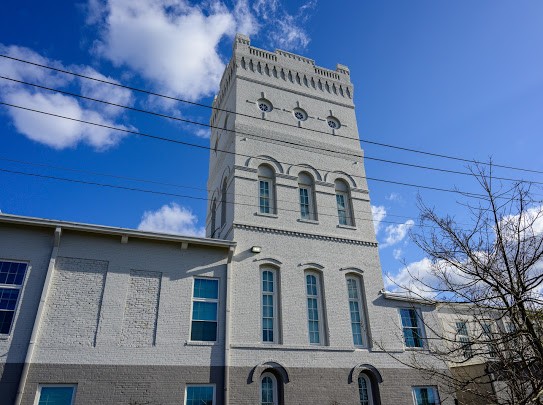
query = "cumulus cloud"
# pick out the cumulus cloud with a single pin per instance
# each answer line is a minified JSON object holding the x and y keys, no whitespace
{"x":378,"y":213}
{"x":174,"y":44}
{"x":413,"y":279}
{"x":397,"y":253}
{"x":171,"y":218}
{"x":396,"y":233}
{"x":57,"y":132}
{"x":394,"y":197}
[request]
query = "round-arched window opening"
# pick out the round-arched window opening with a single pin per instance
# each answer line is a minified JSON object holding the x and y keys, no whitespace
{"x":299,"y":114}
{"x":264,"y":105}
{"x":333,"y":122}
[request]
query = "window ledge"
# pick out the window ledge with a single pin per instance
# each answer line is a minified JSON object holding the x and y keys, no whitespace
{"x":276,"y":346}
{"x":4,"y":337}
{"x":200,"y":343}
{"x":308,"y":221}
{"x":261,"y":214}
{"x":347,"y":227}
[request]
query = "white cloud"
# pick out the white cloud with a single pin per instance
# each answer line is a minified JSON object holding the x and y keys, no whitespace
{"x":396,"y":233}
{"x":397,"y":253}
{"x":394,"y":197}
{"x":57,"y":132}
{"x":174,"y":44}
{"x":378,"y":213}
{"x":171,"y":218}
{"x":413,"y":279}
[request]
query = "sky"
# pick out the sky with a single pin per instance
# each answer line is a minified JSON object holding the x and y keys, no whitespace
{"x":460,"y":78}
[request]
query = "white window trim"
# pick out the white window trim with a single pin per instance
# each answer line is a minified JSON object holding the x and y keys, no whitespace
{"x":201,"y":385}
{"x":319,"y":297}
{"x":421,"y":328}
{"x":368,"y":386}
{"x":432,"y":387}
{"x":275,"y":390}
{"x":19,"y":296}
{"x":193,"y":299}
{"x":467,"y":345}
{"x":310,"y":200}
{"x":347,"y":202}
{"x":271,"y":191}
{"x":275,"y":296}
{"x":40,"y":386}
{"x":361,"y":309}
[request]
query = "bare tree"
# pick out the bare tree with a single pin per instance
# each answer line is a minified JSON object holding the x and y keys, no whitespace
{"x":486,"y":278}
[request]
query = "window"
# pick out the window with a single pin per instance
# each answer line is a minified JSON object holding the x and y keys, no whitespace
{"x":464,"y":339}
{"x":343,"y":203}
{"x":268,"y":390}
{"x":223,"y":203}
{"x":205,"y":303}
{"x":489,"y":337}
{"x":12,"y":276}
{"x":269,"y":306}
{"x":364,"y":390}
{"x":266,"y":195}
{"x":425,"y":396}
{"x":213,"y":218}
{"x":314,"y":309}
{"x":307,"y":199}
{"x":356,"y":309}
{"x":56,"y":394}
{"x":412,"y":330}
{"x":200,"y":395}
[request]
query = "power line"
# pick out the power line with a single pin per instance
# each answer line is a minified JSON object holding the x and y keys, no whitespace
{"x":239,"y":133}
{"x":475,"y":195}
{"x":148,"y":92}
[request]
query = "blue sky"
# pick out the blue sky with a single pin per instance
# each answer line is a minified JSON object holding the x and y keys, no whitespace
{"x":460,"y":78}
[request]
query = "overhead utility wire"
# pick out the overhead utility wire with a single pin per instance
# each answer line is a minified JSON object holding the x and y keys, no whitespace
{"x":114,"y":176}
{"x":475,"y":195}
{"x":114,"y":186}
{"x":238,"y":133}
{"x":148,"y":92}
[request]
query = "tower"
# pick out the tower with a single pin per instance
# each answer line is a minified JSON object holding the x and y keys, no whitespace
{"x":307,"y":323}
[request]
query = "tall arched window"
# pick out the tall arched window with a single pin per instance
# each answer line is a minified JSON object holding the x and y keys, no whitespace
{"x":268,"y":390}
{"x":315,"y":313}
{"x":306,"y":190}
{"x":343,"y":202}
{"x":357,"y":311}
{"x":364,"y":390}
{"x":266,"y":190}
{"x":213,"y":218}
{"x":270,"y":303}
{"x":223,"y":202}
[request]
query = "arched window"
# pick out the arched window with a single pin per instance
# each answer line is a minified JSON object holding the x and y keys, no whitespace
{"x":266,"y":190}
{"x":213,"y":218}
{"x":356,"y":309}
{"x":315,"y":313}
{"x":268,"y":390}
{"x":343,"y":201}
{"x":223,"y":203}
{"x":270,"y":303}
{"x":307,"y":196}
{"x":364,"y":390}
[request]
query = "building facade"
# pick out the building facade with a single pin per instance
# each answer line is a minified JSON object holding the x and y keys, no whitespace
{"x":281,"y":303}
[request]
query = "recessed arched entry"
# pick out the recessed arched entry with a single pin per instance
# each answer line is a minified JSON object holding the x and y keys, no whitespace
{"x":270,"y":377}
{"x":367,"y":378}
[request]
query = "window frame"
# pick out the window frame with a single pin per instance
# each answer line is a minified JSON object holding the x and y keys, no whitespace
{"x":420,"y":327}
{"x":361,"y":310}
{"x":368,"y":388}
{"x":187,"y":386}
{"x":47,"y":385}
{"x":274,"y":387}
{"x":320,"y":310}
{"x":464,"y":338}
{"x":266,"y":174}
{"x":308,"y":186}
{"x":224,"y":197}
{"x":432,"y":387}
{"x":16,"y":287}
{"x":213,"y":300}
{"x":343,"y":190}
{"x":488,"y":333}
{"x":275,"y":304}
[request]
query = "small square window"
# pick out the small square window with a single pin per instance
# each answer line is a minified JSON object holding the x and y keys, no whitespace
{"x":200,"y":395}
{"x":55,"y":394}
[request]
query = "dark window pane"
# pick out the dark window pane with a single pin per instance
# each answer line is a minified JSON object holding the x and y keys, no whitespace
{"x":6,"y":317}
{"x":204,"y":331}
{"x":199,"y":396}
{"x":56,"y":396}
{"x":206,"y":288}
{"x":204,"y":311}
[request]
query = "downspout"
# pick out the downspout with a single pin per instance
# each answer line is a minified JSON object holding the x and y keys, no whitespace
{"x":227,"y":324}
{"x":41,"y":308}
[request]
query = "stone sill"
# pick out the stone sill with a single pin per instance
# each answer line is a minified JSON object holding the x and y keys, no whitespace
{"x":347,"y":227}
{"x":308,"y":221}
{"x":293,"y":348}
{"x":260,"y":214}
{"x":199,"y":343}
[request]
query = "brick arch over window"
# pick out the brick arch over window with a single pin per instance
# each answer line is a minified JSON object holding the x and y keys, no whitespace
{"x":331,"y":177}
{"x":255,"y":162}
{"x":295,"y":170}
{"x":372,"y":374}
{"x":276,"y":368}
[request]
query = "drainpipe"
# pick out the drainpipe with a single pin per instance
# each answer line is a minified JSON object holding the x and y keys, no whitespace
{"x":227,"y":324}
{"x":41,"y":307}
